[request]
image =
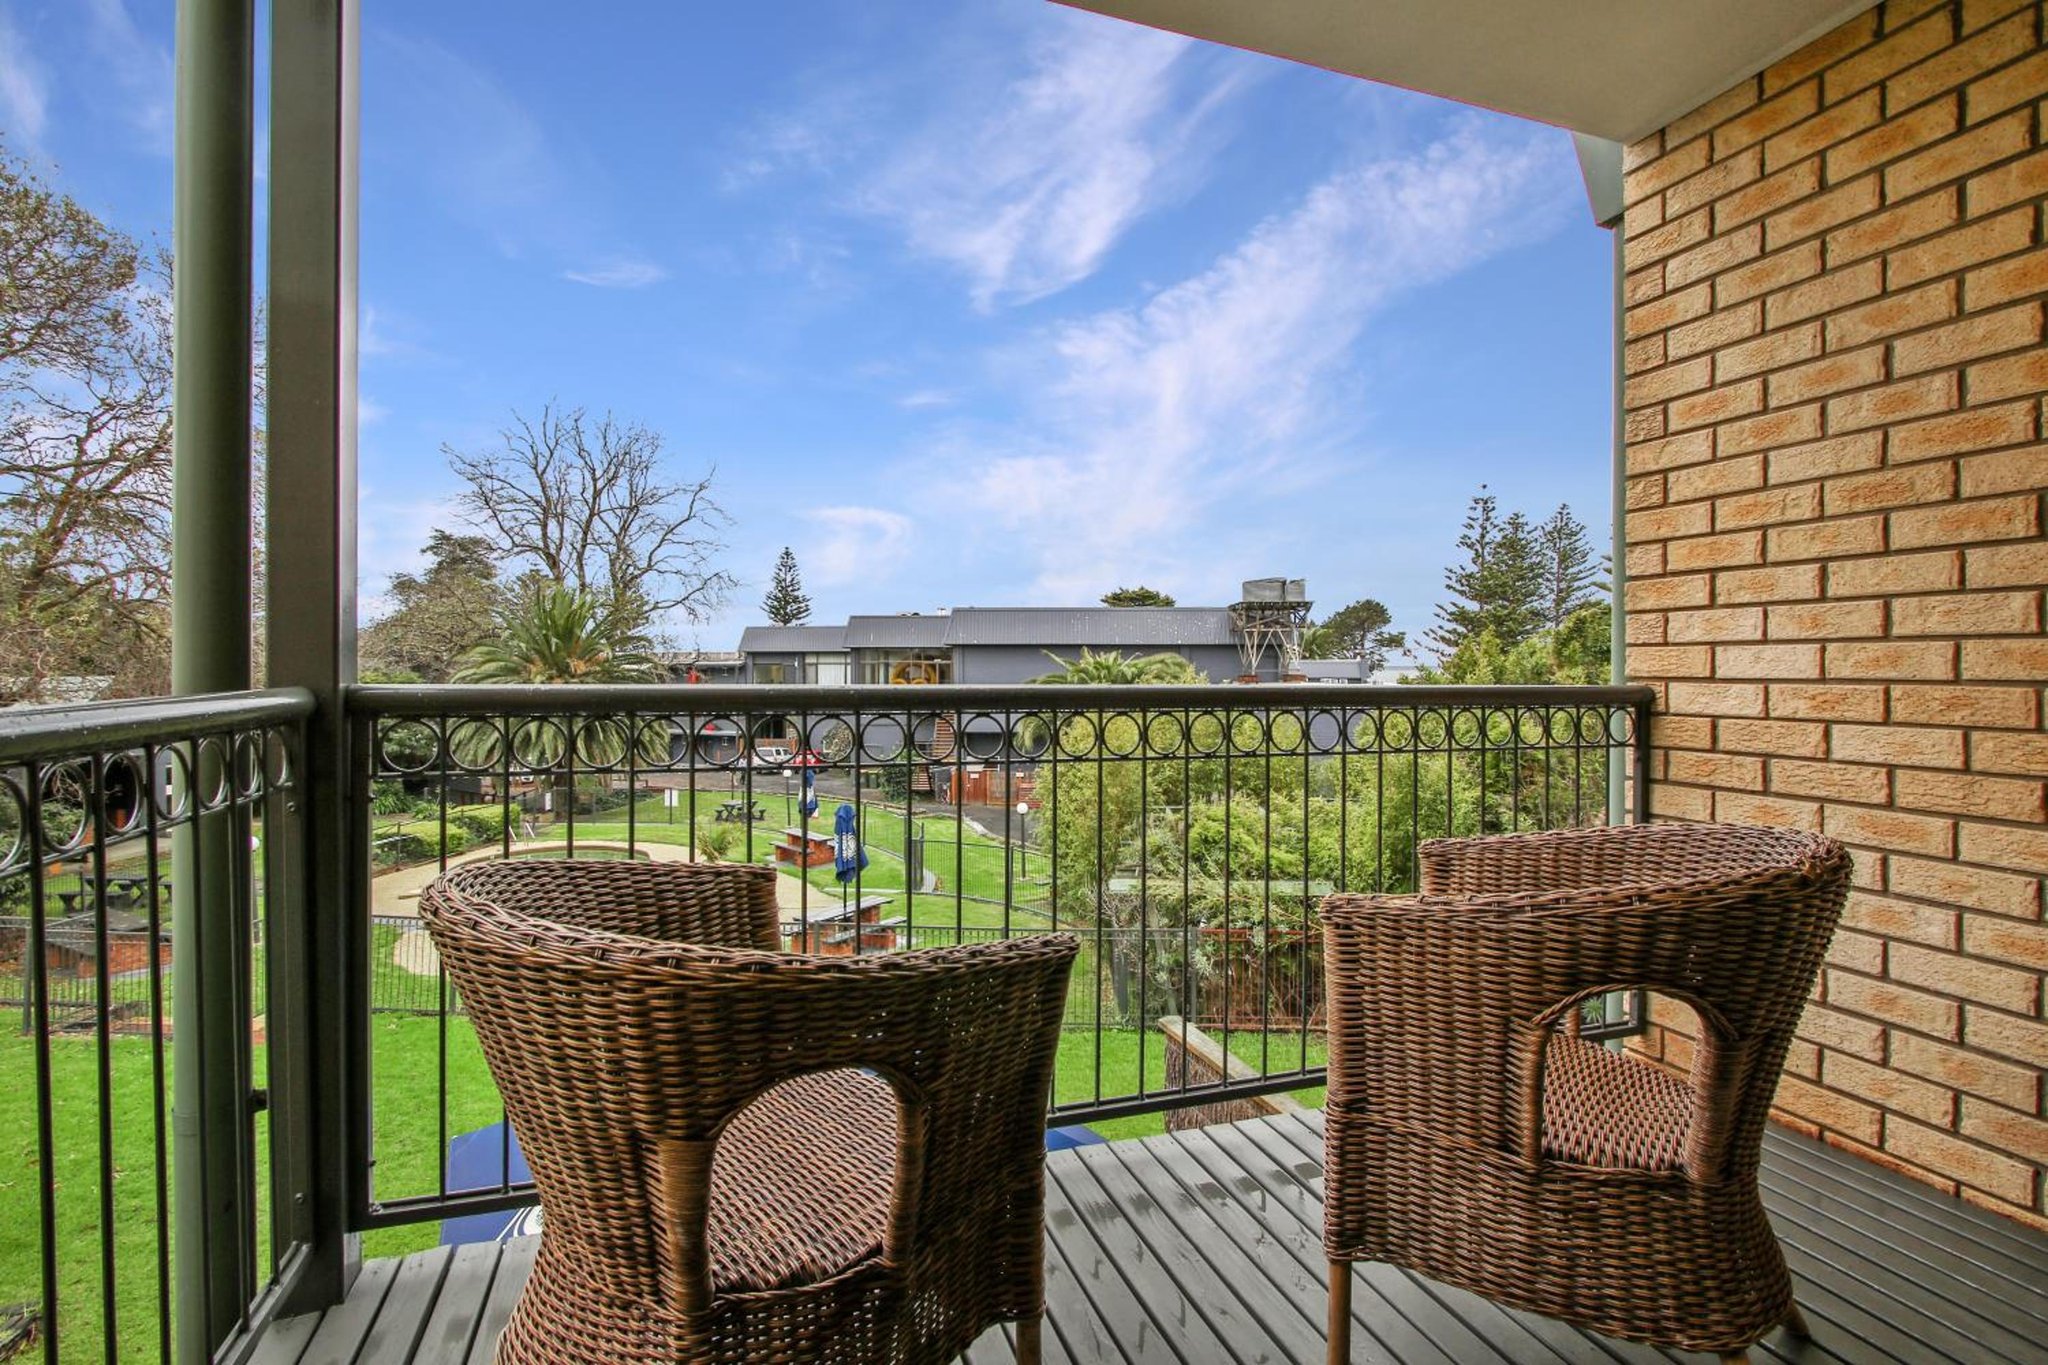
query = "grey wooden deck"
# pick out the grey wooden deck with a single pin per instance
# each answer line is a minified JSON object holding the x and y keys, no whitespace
{"x":1204,"y":1247}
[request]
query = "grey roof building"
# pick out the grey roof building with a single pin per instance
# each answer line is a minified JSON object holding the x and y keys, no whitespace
{"x":993,"y":644}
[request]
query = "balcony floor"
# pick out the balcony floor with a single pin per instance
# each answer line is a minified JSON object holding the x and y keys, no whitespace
{"x":1206,"y":1247}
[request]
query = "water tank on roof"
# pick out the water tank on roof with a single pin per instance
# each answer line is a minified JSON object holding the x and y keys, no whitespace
{"x":1275,"y":590}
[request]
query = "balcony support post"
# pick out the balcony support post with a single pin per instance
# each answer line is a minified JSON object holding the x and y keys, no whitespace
{"x":320,"y":1117}
{"x":210,"y":631}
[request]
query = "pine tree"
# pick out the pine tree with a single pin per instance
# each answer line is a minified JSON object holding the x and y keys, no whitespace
{"x":1571,"y":580}
{"x":786,"y":603}
{"x":1499,"y":587}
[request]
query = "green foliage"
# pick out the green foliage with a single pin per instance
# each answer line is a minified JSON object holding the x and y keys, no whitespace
{"x":786,"y":603}
{"x":390,"y":798}
{"x":716,"y":842}
{"x":1137,"y":597}
{"x":1511,"y":577}
{"x":1113,"y":667}
{"x":1570,"y":578}
{"x":438,"y":615}
{"x":1357,"y":631}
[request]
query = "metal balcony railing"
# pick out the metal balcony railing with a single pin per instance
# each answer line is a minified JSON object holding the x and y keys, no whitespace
{"x":1186,"y":834}
{"x":144,"y":848}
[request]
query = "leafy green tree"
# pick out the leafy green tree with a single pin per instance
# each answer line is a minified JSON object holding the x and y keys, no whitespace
{"x":1570,"y":576}
{"x":1357,"y":631}
{"x":439,"y":615}
{"x":786,"y":603}
{"x":1137,"y":597}
{"x":1113,"y":667}
{"x":558,"y":636}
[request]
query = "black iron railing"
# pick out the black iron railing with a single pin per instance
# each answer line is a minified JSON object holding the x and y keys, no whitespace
{"x":1186,"y":834}
{"x":143,"y":848}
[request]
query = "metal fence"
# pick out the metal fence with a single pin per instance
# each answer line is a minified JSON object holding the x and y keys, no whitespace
{"x":117,"y":822}
{"x":1185,"y":834}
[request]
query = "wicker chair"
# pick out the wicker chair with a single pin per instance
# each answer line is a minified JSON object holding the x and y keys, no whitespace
{"x":1473,"y":1137}
{"x":744,"y":1155}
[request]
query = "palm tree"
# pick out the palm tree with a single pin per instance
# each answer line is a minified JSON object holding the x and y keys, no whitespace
{"x":553,"y":636}
{"x":1112,"y":667}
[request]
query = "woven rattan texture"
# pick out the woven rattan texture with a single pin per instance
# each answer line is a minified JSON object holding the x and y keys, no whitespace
{"x":883,"y":1207}
{"x":1471,"y":1138}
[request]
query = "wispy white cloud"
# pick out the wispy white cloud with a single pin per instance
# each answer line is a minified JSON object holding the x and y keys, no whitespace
{"x":854,"y":544}
{"x":1022,"y":158}
{"x":138,"y":68}
{"x":928,"y":398}
{"x":391,"y":532}
{"x":1026,"y":189}
{"x":24,"y":89}
{"x":1225,"y":386}
{"x":619,"y":272}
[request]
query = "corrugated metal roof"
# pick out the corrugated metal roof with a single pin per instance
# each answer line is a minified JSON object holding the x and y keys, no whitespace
{"x":896,"y":632}
{"x":791,"y":639}
{"x":1097,"y":627}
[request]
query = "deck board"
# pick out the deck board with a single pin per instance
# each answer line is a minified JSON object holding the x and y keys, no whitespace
{"x":1206,"y":1247}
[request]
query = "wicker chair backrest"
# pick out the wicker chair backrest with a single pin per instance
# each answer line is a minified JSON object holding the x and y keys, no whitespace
{"x":623,"y":1053}
{"x":1441,"y":1005}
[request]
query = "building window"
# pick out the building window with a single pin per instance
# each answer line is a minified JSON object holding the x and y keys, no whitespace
{"x":774,"y":673}
{"x":825,"y":668}
{"x":907,"y":666}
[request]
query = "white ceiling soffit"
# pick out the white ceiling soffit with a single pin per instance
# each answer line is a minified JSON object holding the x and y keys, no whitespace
{"x":1616,"y":69}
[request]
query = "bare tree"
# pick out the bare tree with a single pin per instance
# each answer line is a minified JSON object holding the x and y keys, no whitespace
{"x":67,"y":276}
{"x":588,"y":504}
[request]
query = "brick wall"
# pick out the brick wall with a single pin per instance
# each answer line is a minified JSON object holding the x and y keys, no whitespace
{"x":1835,"y":280}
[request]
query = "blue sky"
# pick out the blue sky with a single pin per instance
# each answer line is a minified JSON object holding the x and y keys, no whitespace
{"x":991,"y":303}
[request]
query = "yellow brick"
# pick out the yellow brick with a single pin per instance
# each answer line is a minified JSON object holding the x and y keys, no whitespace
{"x":2012,"y":278}
{"x":1972,"y":338}
{"x":1779,"y":583}
{"x":1979,"y":888}
{"x":1670,"y":452}
{"x":1892,"y":139}
{"x":1716,"y":770}
{"x":2007,"y":566}
{"x":1773,"y":272}
{"x":1800,"y":218}
{"x":2007,"y":377}
{"x":1826,"y":539}
{"x":1975,"y":429}
{"x":1667,"y":170}
{"x":2005,"y":660}
{"x":2019,"y":850}
{"x":1895,"y":573}
{"x":1659,"y":386}
{"x":1769,"y":430}
{"x":1892,"y":403}
{"x":2016,"y":84}
{"x":1767,"y":661}
{"x":1835,"y":290}
{"x":1990,"y":798}
{"x":2006,"y":471}
{"x":1890,"y":830}
{"x":1665,"y":594}
{"x":1713,"y":113}
{"x":1959,"y":63}
{"x":1831,"y":781}
{"x":1881,"y":59}
{"x":1773,"y":115}
{"x":1967,"y":613}
{"x":1714,"y":332}
{"x":1666,"y":240}
{"x":1826,"y":620}
{"x":1791,"y":738}
{"x":1959,"y":156}
{"x":1716,"y":699}
{"x":1907,"y":222}
{"x":2013,"y":183}
{"x":1666,"y":661}
{"x":1716,"y":404}
{"x":1716,"y":478}
{"x":1849,"y":370}
{"x":1928,"y":481}
{"x":1749,"y":808}
{"x":1717,"y":180}
{"x":2009,"y":518}
{"x":1716,"y":625}
{"x":1771,"y":194}
{"x":1911,"y":661}
{"x":2021,"y":755}
{"x":1715,"y":552}
{"x":2010,"y":707}
{"x":1820,"y":459}
{"x":1959,"y":249}
{"x":1909,"y":746}
{"x":1823,"y":51}
{"x":1893,"y":314}
{"x":1785,"y":347}
{"x":1767,"y":506}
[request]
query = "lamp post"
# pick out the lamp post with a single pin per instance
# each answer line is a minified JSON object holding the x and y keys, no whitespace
{"x":1023,"y":837}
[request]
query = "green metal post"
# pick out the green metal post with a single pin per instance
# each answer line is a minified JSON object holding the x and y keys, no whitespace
{"x":210,"y":644}
{"x":319,"y":951}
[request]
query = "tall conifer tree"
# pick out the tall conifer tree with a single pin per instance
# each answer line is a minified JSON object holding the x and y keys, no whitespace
{"x":786,"y":603}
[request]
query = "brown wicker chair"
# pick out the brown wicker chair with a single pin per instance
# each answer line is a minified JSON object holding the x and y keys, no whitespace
{"x":1473,"y":1137}
{"x":744,"y":1155}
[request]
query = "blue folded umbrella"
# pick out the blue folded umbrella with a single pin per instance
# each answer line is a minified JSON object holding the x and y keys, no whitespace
{"x":848,"y":857}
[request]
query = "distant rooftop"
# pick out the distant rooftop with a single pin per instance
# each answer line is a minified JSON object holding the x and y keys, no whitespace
{"x":791,"y":639}
{"x":1037,"y":627}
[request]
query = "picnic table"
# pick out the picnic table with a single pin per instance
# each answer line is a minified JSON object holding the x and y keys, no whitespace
{"x":738,"y":812}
